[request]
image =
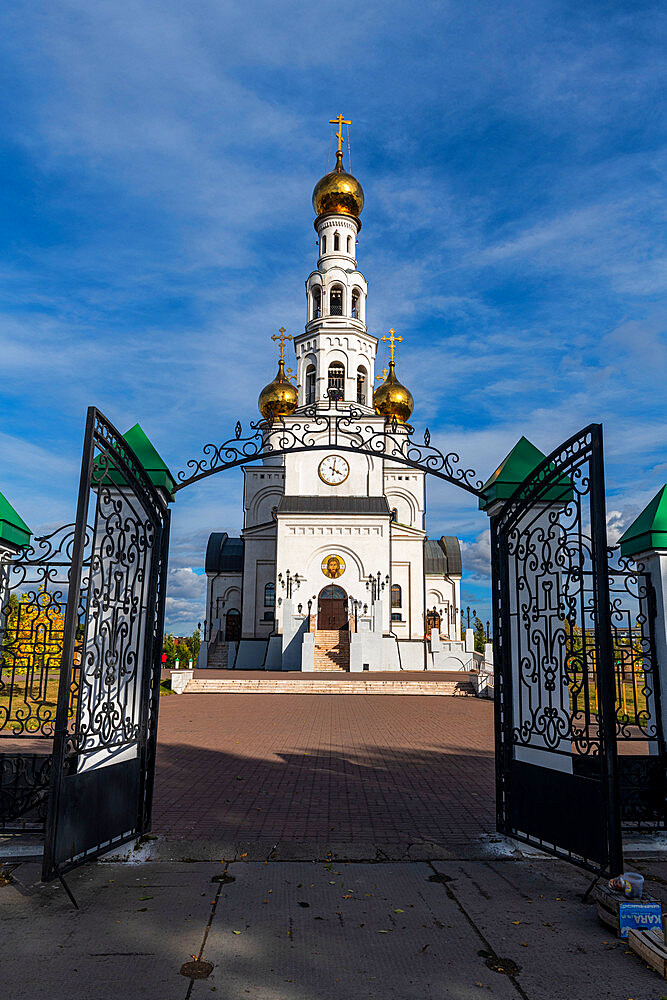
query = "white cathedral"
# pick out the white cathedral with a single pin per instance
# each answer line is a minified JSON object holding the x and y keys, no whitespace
{"x":333,"y":569}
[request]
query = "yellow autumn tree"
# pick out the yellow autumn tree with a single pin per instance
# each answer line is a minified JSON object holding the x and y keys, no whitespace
{"x":33,"y":633}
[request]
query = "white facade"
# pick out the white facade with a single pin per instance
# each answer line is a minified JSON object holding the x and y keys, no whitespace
{"x":266,"y":591}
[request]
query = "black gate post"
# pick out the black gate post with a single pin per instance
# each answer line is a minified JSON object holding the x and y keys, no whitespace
{"x":501,"y":681}
{"x":152,"y":700}
{"x":67,"y":661}
{"x":606,"y":672}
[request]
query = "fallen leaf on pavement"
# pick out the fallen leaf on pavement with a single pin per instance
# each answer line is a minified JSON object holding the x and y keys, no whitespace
{"x":236,"y":932}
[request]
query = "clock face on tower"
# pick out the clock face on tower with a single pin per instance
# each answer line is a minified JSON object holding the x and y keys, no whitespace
{"x":333,"y":470}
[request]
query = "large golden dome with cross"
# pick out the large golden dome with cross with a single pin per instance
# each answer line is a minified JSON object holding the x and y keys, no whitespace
{"x":338,"y":192}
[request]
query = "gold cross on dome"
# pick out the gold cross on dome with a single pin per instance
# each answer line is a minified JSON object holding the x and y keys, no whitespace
{"x":292,"y":377}
{"x":339,"y":121}
{"x":382,"y":377}
{"x":282,"y":336}
{"x":393,"y":339}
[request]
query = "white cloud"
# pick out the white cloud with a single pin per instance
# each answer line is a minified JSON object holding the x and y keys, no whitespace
{"x":186,"y":599}
{"x":476,"y":557}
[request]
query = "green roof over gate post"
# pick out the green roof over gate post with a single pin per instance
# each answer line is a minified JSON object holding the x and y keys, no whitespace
{"x":158,"y":473}
{"x":514,"y":468}
{"x":649,"y":530}
{"x":13,"y":528}
{"x":156,"y":470}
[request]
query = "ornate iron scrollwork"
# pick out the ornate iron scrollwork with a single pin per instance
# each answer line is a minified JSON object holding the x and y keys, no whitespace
{"x":314,"y":429}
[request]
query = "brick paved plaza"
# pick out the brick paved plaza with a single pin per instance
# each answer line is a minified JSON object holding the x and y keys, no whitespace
{"x":351,"y":771}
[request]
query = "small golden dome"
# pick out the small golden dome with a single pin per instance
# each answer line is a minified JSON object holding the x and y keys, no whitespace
{"x":279,"y":398}
{"x":338,"y":192}
{"x":391,"y":399}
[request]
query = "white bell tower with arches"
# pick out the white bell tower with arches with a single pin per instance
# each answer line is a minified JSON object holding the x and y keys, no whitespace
{"x":335,"y":351}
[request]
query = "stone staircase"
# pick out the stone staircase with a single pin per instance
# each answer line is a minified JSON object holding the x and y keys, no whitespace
{"x":466,"y":689}
{"x":332,"y":649}
{"x":218,"y":656}
{"x":338,"y":683}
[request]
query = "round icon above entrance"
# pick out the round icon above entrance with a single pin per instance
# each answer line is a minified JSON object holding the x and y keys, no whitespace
{"x":333,"y":566}
{"x":333,"y":470}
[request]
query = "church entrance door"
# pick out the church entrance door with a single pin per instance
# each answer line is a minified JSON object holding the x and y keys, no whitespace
{"x":332,"y":608}
{"x":232,"y":626}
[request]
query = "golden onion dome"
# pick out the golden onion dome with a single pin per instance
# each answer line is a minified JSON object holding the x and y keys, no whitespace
{"x":338,"y":193}
{"x":391,"y":399}
{"x":279,"y":398}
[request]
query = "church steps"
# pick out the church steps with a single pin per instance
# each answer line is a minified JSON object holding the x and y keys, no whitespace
{"x":218,"y":656}
{"x":349,"y":684}
{"x":332,"y":650}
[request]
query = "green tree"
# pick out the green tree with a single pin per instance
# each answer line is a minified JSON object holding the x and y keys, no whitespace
{"x":182,"y":648}
{"x":480,"y":634}
{"x":169,"y":647}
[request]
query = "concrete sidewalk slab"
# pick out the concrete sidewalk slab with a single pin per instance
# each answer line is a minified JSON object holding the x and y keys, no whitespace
{"x":532,"y":912}
{"x":317,"y":931}
{"x":300,"y":931}
{"x":134,"y":928}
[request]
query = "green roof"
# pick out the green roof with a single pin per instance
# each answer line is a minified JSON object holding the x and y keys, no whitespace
{"x":516,"y":467}
{"x":156,"y":469}
{"x":13,"y":528}
{"x":649,"y":530}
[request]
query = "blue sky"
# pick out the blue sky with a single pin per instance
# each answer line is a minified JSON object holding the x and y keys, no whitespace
{"x":157,"y":164}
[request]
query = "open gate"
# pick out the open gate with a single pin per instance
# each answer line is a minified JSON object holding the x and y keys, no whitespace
{"x":556,"y":760}
{"x":106,"y":717}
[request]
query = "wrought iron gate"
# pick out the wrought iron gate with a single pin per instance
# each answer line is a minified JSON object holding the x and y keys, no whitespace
{"x":106,"y":717}
{"x":556,"y":762}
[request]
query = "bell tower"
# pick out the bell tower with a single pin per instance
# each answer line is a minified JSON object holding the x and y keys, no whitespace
{"x":336,"y":351}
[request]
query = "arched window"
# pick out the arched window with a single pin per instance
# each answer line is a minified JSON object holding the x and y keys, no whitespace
{"x":270,"y":595}
{"x":324,"y":245}
{"x":361,"y":386}
{"x":355,"y":304}
{"x":337,"y":377}
{"x":336,"y":302}
{"x":396,"y":596}
{"x":232,"y":626}
{"x":333,"y":593}
{"x":336,"y":241}
{"x":317,"y":302}
{"x":349,"y":244}
{"x":310,"y":384}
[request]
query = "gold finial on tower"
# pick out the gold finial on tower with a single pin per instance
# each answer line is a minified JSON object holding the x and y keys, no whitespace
{"x":339,"y":121}
{"x":382,"y":377}
{"x":338,"y":192}
{"x":282,"y":336}
{"x":393,"y":339}
{"x":292,"y":377}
